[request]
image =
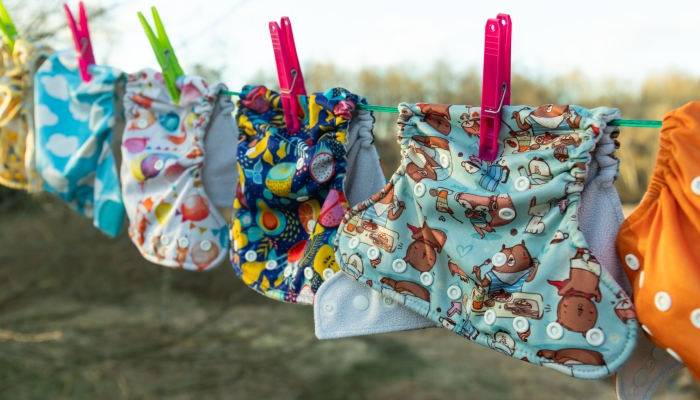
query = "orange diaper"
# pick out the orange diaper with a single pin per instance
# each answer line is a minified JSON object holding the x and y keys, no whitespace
{"x":659,"y":243}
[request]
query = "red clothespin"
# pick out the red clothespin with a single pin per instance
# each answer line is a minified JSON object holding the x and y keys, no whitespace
{"x":81,"y":38}
{"x":495,"y":90}
{"x":288,"y":71}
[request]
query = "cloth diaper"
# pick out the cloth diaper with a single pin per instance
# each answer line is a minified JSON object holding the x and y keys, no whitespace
{"x":172,"y":219}
{"x":494,"y":251}
{"x":336,"y":310}
{"x":74,"y":121}
{"x":657,"y":245}
{"x":17,"y":162}
{"x":292,"y":189}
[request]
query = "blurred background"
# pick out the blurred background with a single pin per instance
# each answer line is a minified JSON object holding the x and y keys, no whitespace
{"x":83,"y":316}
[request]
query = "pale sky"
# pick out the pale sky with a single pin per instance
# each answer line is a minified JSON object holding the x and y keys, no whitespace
{"x":627,"y":40}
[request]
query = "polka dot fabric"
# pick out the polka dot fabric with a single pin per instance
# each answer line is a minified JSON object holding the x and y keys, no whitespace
{"x":658,"y":243}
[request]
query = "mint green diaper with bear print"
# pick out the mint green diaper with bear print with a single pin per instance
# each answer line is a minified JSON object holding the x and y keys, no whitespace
{"x":493,"y":251}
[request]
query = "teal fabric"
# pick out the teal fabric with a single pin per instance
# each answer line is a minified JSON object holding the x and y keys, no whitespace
{"x":74,"y":121}
{"x":492,"y":250}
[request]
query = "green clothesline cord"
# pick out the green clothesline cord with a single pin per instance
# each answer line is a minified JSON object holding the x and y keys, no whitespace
{"x":634,"y":123}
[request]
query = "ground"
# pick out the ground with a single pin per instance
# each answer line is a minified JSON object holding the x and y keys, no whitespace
{"x":83,"y":316}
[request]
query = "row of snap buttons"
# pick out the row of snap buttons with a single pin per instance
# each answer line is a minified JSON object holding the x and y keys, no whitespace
{"x":360,"y":303}
{"x":182,"y":242}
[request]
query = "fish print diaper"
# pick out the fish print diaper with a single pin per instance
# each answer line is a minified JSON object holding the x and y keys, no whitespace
{"x":657,"y":244}
{"x":291,"y":193}
{"x":171,"y":219}
{"x":74,"y":121}
{"x":494,"y":251}
{"x":17,"y":162}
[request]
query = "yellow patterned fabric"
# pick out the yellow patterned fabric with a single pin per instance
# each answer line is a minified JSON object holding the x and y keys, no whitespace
{"x":17,"y":166}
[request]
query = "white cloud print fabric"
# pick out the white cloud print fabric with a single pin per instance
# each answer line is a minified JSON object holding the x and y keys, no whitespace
{"x":74,"y":121}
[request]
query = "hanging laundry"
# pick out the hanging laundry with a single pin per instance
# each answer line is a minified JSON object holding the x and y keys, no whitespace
{"x":292,"y":188}
{"x":74,"y":121}
{"x":17,"y":163}
{"x":658,"y":245}
{"x":172,"y":219}
{"x":516,"y":273}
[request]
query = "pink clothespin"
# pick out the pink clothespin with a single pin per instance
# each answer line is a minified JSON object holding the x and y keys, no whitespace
{"x":288,"y":71}
{"x":495,"y":90}
{"x":81,"y":38}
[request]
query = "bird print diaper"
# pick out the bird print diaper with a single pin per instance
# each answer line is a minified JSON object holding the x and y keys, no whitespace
{"x":291,"y":194}
{"x":74,"y":121}
{"x":171,"y":219}
{"x":657,"y":244}
{"x":493,"y":251}
{"x":17,"y":162}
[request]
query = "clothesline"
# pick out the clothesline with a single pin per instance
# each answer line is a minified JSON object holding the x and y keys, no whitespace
{"x":635,"y":123}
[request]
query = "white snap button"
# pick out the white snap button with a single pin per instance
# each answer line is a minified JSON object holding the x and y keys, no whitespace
{"x":328,"y":307}
{"x":632,"y":262}
{"x":183,"y":242}
{"x":373,"y":253}
{"x":454,"y":292}
{"x":165,"y":240}
{"x":251,"y":256}
{"x":426,"y":278}
{"x":327,"y":274}
{"x":308,"y":273}
{"x":663,"y":301}
{"x":595,"y":337}
{"x":444,"y":160}
{"x":287,"y":271}
{"x":695,"y":318}
{"x":506,"y":213}
{"x":399,"y":266}
{"x":675,"y":355}
{"x":555,"y":331}
{"x":388,"y":301}
{"x":353,"y":243}
{"x":521,"y":184}
{"x":149,"y":237}
{"x":641,"y":377}
{"x":499,"y":259}
{"x":419,"y":189}
{"x":300,"y":163}
{"x":270,"y":265}
{"x":205,"y":245}
{"x":490,"y":317}
{"x":633,"y":391}
{"x":521,"y":325}
{"x":641,"y":279}
{"x":695,"y":185}
{"x":302,"y":199}
{"x":159,"y":165}
{"x":142,"y":123}
{"x":361,"y":303}
{"x":645,"y":329}
{"x":310,"y":225}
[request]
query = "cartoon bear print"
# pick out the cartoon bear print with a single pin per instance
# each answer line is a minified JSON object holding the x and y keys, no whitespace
{"x":383,"y":206}
{"x":422,"y":252}
{"x":576,"y":310}
{"x":437,"y":116}
{"x":549,"y":116}
{"x":485,"y":213}
{"x":512,"y":267}
{"x":407,"y":288}
{"x":537,"y":212}
{"x":423,"y":158}
{"x":573,"y":356}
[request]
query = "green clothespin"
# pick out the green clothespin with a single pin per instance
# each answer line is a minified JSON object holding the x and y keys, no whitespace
{"x":164,"y":53}
{"x":7,"y":27}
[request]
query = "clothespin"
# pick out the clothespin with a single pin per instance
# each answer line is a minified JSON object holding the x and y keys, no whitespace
{"x":81,"y":38}
{"x":288,"y":72}
{"x":7,"y":27}
{"x":495,"y":89}
{"x":164,"y":53}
